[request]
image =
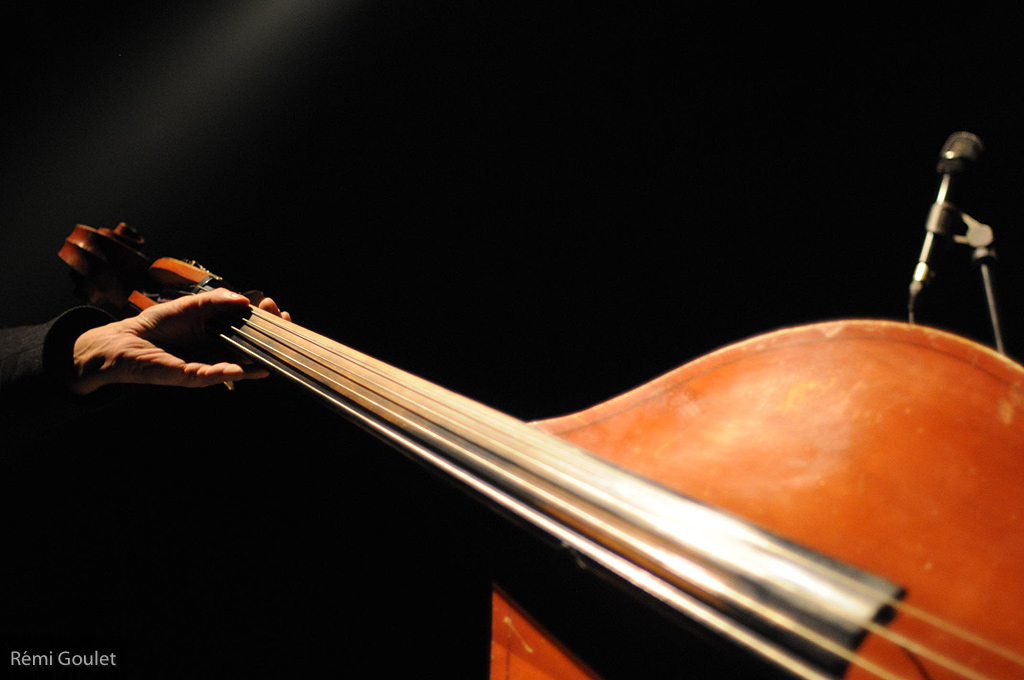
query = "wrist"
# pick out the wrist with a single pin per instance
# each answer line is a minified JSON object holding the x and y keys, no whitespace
{"x":93,"y":364}
{"x":62,"y":337}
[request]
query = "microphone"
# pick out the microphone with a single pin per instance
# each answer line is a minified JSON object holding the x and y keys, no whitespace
{"x":958,"y":153}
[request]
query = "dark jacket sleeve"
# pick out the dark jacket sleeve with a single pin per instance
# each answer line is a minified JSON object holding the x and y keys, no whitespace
{"x":35,"y":368}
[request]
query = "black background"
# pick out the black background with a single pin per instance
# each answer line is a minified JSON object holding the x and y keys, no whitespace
{"x":539,"y":205}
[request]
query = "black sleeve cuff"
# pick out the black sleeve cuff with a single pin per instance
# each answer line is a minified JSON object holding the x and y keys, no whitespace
{"x":36,"y":367}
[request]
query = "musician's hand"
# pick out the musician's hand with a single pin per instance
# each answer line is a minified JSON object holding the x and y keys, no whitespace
{"x":149,"y":348}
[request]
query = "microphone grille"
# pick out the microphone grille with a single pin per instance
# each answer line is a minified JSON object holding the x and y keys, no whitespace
{"x":960,"y":149}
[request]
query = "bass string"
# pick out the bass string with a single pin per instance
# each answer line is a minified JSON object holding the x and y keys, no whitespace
{"x":515,"y":432}
{"x":785,"y":622}
{"x":916,"y":649}
{"x":963,"y":634}
{"x":398,"y":375}
{"x":333,"y":357}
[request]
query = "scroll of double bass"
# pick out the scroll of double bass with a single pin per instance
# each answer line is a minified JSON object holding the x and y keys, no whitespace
{"x":842,"y":499}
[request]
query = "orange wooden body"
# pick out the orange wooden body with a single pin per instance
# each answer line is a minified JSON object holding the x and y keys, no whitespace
{"x":522,"y":650}
{"x":895,"y":448}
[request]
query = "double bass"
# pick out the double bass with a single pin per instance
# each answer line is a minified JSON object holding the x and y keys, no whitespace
{"x":841,"y":499}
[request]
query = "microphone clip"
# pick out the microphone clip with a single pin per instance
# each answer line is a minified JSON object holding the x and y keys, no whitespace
{"x":975,"y":235}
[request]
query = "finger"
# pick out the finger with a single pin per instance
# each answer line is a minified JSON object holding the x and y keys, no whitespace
{"x":207,"y":375}
{"x":216,"y":301}
{"x":268,"y":305}
{"x":221,"y":300}
{"x":191,"y":309}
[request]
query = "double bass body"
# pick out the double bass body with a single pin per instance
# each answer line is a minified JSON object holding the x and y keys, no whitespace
{"x":895,"y":448}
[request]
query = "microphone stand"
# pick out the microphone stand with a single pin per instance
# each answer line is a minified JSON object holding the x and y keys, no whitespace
{"x":980,"y":237}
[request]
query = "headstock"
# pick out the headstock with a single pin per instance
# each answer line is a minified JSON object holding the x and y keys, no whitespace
{"x":106,"y":264}
{"x":110,"y":271}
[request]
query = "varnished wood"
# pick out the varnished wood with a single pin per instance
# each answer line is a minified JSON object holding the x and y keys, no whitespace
{"x":895,"y":448}
{"x":107,"y":263}
{"x":522,"y":650}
